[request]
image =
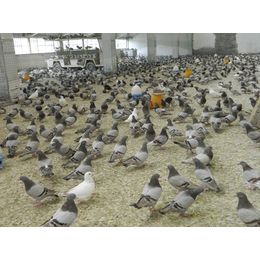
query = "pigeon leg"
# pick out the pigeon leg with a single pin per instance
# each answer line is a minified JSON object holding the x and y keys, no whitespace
{"x":82,"y":202}
{"x":162,"y":148}
{"x":184,"y":215}
{"x":95,"y":193}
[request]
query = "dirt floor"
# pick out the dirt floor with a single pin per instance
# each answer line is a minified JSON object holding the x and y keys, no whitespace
{"x":118,"y":186}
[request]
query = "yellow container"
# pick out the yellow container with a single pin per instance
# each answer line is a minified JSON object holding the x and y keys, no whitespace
{"x":26,"y":77}
{"x":225,"y":61}
{"x":155,"y":98}
{"x":187,"y":73}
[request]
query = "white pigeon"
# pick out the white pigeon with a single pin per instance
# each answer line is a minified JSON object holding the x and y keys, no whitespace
{"x":62,"y":101}
{"x":34,"y":95}
{"x":84,"y":189}
{"x":135,"y":113}
{"x":214,"y":93}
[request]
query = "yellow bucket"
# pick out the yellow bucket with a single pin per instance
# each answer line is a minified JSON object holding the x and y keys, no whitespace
{"x":225,"y":61}
{"x":157,"y":99}
{"x":26,"y":77}
{"x":187,"y":73}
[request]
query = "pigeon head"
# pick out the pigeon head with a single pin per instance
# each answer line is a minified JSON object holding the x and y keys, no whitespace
{"x":154,"y":182}
{"x":194,"y":192}
{"x":243,"y":201}
{"x":172,"y":170}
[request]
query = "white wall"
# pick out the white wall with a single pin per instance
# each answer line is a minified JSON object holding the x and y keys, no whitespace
{"x":203,"y":40}
{"x":32,"y":60}
{"x":174,"y":44}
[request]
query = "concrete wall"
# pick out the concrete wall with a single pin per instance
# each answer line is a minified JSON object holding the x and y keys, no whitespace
{"x":174,"y":44}
{"x":32,"y":60}
{"x":205,"y":43}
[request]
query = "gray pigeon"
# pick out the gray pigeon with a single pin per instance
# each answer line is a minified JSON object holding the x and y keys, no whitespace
{"x":188,"y":144}
{"x":58,"y":136}
{"x":61,"y":149}
{"x":41,"y":115}
{"x":243,"y":121}
{"x":31,"y":146}
{"x":247,"y":212}
{"x":199,"y":127}
{"x":181,"y":116}
{"x":204,"y":175}
{"x":150,"y":134}
{"x":26,"y":115}
{"x":161,"y":139}
{"x":44,"y":164}
{"x":11,"y":146}
{"x":150,"y":194}
{"x":118,"y":116}
{"x":135,"y":126}
{"x":252,"y":134}
{"x":230,"y":118}
{"x":215,"y":120}
{"x":111,"y":134}
{"x":10,"y":125}
{"x":14,"y":132}
{"x":78,"y":156}
{"x":119,"y":150}
{"x":65,"y":215}
{"x":61,"y":126}
{"x":97,"y":145}
{"x":160,"y":111}
{"x":204,"y":157}
{"x":205,"y":115}
{"x":190,"y":132}
{"x":172,"y":130}
{"x":86,"y":136}
{"x":36,"y":191}
{"x":201,"y":146}
{"x":32,"y":128}
{"x":13,"y":112}
{"x":71,"y":119}
{"x":139,"y":158}
{"x":46,"y":133}
{"x":79,"y":172}
{"x":182,"y":202}
{"x":252,"y":176}
{"x":178,"y":181}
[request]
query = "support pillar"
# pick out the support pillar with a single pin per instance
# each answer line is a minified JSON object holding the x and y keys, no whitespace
{"x":8,"y":67}
{"x":175,"y":45}
{"x":109,"y":52}
{"x":151,"y":47}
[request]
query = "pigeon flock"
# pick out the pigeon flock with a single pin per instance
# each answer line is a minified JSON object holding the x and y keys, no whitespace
{"x":79,"y":151}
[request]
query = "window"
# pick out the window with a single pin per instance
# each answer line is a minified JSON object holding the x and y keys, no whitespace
{"x":34,"y":45}
{"x":21,"y":45}
{"x":72,"y":44}
{"x":93,"y":43}
{"x":121,"y":44}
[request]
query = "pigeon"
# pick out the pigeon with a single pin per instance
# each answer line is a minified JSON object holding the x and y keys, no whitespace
{"x":111,"y":134}
{"x":161,"y":139}
{"x":160,"y":111}
{"x":139,"y":158}
{"x":201,"y":100}
{"x":119,"y":150}
{"x":30,"y":129}
{"x":61,"y":149}
{"x":204,"y":175}
{"x":188,"y":144}
{"x":198,"y":126}
{"x":31,"y":146}
{"x":172,"y":130}
{"x":243,"y":121}
{"x":79,"y":172}
{"x":247,"y":212}
{"x":118,"y":116}
{"x":61,"y":126}
{"x":57,"y":117}
{"x":215,"y":121}
{"x":41,"y":116}
{"x":93,"y":95}
{"x":181,"y":116}
{"x":13,"y":113}
{"x":10,"y":125}
{"x":78,"y":156}
{"x":70,"y":120}
{"x":150,"y":194}
{"x":135,"y":126}
{"x":182,"y":202}
{"x":11,"y":146}
{"x":26,"y":115}
{"x":252,"y":176}
{"x":34,"y":95}
{"x":204,"y":157}
{"x":97,"y":145}
{"x":201,"y":146}
{"x":190,"y":132}
{"x":230,"y":118}
{"x":86,"y":136}
{"x":14,"y":132}
{"x":58,"y":136}
{"x":252,"y":134}
{"x":150,"y":133}
{"x":145,"y":123}
{"x":46,"y":133}
{"x":44,"y":164}
{"x":146,"y":108}
{"x":36,"y":191}
{"x":178,"y":181}
{"x":65,"y":215}
{"x":84,"y":189}
{"x":62,"y":101}
{"x":134,"y":114}
{"x":104,"y":108}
